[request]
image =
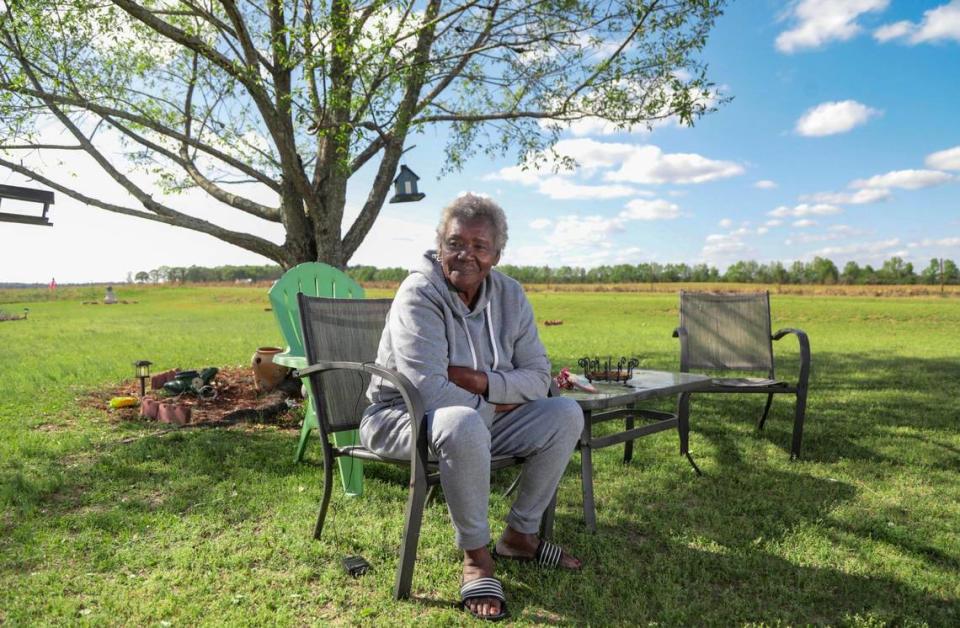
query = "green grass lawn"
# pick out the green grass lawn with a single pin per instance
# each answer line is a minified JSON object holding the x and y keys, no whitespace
{"x":114,"y":522}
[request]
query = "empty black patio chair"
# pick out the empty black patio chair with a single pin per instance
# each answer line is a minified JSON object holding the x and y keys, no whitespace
{"x":341,"y":337}
{"x":731,"y":332}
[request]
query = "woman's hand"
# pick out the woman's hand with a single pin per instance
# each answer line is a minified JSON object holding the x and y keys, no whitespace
{"x":469,"y":379}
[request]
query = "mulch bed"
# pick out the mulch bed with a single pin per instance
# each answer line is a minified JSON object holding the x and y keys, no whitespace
{"x":237,"y":401}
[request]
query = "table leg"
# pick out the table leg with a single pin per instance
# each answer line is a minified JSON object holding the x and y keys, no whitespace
{"x":586,"y":473}
{"x":628,"y":446}
{"x":683,"y":427}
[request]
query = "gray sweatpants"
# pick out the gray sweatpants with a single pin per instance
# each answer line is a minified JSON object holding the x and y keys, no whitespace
{"x":543,"y":431}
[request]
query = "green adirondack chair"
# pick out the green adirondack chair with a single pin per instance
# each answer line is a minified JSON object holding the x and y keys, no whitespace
{"x":316,"y":280}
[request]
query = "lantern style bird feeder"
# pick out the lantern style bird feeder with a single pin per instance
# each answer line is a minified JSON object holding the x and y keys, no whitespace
{"x":405,"y":187}
{"x":143,"y":373}
{"x":29,"y":195}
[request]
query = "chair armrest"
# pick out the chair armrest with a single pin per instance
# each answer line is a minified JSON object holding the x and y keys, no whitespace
{"x":409,"y":393}
{"x":804,"y":351}
{"x":290,"y":360}
{"x":681,"y":333}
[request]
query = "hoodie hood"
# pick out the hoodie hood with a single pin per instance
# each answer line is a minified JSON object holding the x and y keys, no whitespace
{"x":429,"y":329}
{"x":431,"y":269}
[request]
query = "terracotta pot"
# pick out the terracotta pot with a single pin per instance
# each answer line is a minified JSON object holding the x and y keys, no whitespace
{"x":149,"y":408}
{"x":165,"y":412}
{"x":266,"y":374}
{"x":176,"y":413}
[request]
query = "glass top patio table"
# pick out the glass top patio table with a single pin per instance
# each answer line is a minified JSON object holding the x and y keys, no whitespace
{"x":619,"y":400}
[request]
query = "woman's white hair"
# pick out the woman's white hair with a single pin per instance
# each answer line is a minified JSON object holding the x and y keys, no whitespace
{"x":473,"y":207}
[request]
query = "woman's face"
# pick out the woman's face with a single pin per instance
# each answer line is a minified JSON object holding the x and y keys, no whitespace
{"x":467,"y":253}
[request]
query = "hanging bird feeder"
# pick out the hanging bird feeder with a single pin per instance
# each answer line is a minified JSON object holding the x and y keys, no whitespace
{"x":29,"y":195}
{"x":405,"y":187}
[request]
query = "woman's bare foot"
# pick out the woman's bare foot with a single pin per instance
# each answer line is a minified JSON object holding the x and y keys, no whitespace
{"x":515,"y":544}
{"x":478,"y":563}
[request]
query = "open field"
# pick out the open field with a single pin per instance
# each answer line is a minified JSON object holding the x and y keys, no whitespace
{"x":95,"y":292}
{"x":111,"y":522}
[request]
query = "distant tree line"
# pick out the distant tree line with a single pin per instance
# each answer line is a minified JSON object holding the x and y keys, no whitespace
{"x":817,"y":271}
{"x":244,"y":274}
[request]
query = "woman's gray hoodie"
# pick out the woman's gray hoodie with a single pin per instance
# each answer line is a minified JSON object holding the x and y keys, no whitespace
{"x":429,"y":328}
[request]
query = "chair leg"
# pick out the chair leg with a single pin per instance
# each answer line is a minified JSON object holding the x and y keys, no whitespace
{"x":310,"y":423}
{"x":766,"y":409}
{"x":546,"y":522}
{"x":327,"y":489}
{"x":798,"y":423}
{"x":411,"y":537}
{"x":513,"y":487}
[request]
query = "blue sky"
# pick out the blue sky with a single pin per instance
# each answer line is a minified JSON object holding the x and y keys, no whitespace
{"x":842,"y":140}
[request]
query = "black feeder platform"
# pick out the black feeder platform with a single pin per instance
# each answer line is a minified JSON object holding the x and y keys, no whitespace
{"x":15,"y":193}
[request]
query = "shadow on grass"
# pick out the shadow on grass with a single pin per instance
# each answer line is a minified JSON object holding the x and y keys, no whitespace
{"x":688,"y":551}
{"x":673,"y":549}
{"x":856,"y":400}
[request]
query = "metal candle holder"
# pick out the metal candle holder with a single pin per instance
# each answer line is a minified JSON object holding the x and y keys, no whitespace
{"x":595,"y":369}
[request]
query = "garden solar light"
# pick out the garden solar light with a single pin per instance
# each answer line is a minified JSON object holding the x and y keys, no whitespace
{"x":143,"y":372}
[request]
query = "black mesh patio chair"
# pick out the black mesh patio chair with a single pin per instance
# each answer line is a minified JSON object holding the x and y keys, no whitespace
{"x":341,"y":337}
{"x":731,"y":332}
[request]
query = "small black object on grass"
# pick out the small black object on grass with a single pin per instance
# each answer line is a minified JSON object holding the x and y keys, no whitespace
{"x":356,"y":566}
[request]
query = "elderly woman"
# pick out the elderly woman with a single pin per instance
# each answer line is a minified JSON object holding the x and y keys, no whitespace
{"x":465,"y":335}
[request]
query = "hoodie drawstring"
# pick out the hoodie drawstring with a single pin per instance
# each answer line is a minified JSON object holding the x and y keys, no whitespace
{"x":473,"y":352}
{"x":493,"y":341}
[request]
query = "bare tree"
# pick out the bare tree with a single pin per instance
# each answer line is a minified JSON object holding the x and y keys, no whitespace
{"x":296,"y":97}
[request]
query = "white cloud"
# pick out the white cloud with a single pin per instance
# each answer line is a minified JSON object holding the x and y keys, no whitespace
{"x":774,"y":222}
{"x":719,"y":248}
{"x":591,"y":154}
{"x":574,"y":231}
{"x":656,"y":209}
{"x":860,"y":197}
{"x":830,"y":118}
{"x":563,"y":189}
{"x":592,"y":126}
{"x":804,"y":222}
{"x":726,"y":223}
{"x":939,"y":243}
{"x":904,"y":179}
{"x":588,"y":240}
{"x":804,"y":209}
{"x":833,"y":232}
{"x":948,"y":159}
{"x":622,"y":163}
{"x":822,"y":21}
{"x":765,"y":184}
{"x":559,"y":186}
{"x":516,"y":174}
{"x":939,"y":24}
{"x":893,"y":31}
{"x":650,"y":165}
{"x":881,"y":248}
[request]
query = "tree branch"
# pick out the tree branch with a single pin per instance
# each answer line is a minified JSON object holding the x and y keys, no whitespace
{"x":244,"y":240}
